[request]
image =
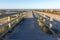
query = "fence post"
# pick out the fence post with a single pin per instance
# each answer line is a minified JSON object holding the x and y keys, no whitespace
{"x":9,"y":19}
{"x":17,"y":15}
{"x":44,"y":18}
{"x":51,"y":19}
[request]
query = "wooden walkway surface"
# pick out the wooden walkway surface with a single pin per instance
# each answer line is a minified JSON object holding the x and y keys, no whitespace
{"x":28,"y":29}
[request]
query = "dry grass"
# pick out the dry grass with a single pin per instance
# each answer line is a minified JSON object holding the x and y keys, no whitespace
{"x":3,"y":20}
{"x":4,"y":29}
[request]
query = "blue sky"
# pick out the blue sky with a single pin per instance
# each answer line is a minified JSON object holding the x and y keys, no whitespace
{"x":29,"y":4}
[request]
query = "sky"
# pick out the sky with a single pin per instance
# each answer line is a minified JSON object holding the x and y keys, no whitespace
{"x":29,"y":4}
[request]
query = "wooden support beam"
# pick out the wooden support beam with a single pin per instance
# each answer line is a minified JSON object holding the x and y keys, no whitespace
{"x":51,"y":19}
{"x":44,"y":18}
{"x":17,"y":15}
{"x":9,"y":19}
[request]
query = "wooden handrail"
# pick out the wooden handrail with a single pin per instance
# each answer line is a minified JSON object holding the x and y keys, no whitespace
{"x":50,"y":24}
{"x":18,"y":18}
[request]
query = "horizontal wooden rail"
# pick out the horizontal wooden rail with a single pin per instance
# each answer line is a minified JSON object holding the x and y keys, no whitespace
{"x":5,"y":15}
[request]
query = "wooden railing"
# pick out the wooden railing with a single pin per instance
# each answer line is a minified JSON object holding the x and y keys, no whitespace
{"x":12,"y":20}
{"x":49,"y":20}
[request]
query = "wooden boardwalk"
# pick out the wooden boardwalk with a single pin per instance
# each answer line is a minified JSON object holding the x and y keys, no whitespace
{"x":28,"y":29}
